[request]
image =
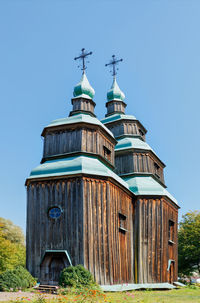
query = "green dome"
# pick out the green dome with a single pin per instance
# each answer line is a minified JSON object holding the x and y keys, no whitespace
{"x":115,"y":93}
{"x":83,"y":88}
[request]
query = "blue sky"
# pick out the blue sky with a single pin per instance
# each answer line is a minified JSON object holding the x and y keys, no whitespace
{"x":160,"y":44}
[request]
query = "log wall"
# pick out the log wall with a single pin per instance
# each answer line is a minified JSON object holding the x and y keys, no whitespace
{"x":127,"y":128}
{"x":44,"y":233}
{"x":108,"y":252}
{"x":81,"y":104}
{"x":89,"y":229}
{"x":77,"y":140}
{"x":151,"y":240}
{"x":115,"y":107}
{"x":135,"y":162}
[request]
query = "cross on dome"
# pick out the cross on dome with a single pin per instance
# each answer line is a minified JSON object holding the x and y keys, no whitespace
{"x":114,"y":62}
{"x":115,"y":92}
{"x":83,"y":88}
{"x":82,"y":57}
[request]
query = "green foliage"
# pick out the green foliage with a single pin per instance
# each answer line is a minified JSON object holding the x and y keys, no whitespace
{"x":189,"y":243}
{"x":12,"y":248}
{"x":77,"y":277}
{"x":39,"y":299}
{"x":11,"y":232}
{"x":19,"y":278}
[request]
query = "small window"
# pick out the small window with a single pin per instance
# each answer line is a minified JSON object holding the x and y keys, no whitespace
{"x":107,"y":153}
{"x":54,"y":212}
{"x":141,"y":132}
{"x":171,"y":231}
{"x":157,"y":170}
{"x":122,"y":223}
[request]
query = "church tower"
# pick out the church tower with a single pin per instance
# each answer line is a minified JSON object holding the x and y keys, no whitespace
{"x":75,"y":201}
{"x":155,"y":209}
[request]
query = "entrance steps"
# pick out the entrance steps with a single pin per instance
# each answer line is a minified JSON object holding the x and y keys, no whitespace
{"x":50,"y":289}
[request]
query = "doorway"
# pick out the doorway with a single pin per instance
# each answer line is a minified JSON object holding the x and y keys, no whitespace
{"x":51,"y":266}
{"x":171,"y":269}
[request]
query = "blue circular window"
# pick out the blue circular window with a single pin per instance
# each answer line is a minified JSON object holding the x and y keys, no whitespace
{"x":55,"y":212}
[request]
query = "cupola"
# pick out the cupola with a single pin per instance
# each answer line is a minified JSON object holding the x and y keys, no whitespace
{"x":83,"y":91}
{"x":115,"y":92}
{"x":83,"y":88}
{"x":115,"y":97}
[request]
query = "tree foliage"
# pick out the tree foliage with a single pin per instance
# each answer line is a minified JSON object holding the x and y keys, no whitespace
{"x":19,"y":278}
{"x":189,"y":243}
{"x":11,"y":232}
{"x":12,"y":248}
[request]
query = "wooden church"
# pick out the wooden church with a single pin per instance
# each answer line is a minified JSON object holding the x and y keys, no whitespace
{"x":99,"y":198}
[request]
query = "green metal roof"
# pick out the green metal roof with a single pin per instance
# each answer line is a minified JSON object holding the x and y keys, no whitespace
{"x":146,"y":185}
{"x":135,"y":143}
{"x":72,"y":166}
{"x":115,"y":92}
{"x":129,"y":286}
{"x":83,"y":88}
{"x":78,"y":118}
{"x":117,"y":117}
{"x":131,"y":142}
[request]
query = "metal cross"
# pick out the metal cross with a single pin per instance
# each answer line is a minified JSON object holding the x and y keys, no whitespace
{"x":114,"y":62}
{"x":82,"y":57}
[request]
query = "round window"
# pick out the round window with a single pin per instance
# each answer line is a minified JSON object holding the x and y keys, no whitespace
{"x":55,"y":212}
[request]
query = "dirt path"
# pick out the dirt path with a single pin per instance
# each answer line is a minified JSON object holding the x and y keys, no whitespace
{"x":8,"y":296}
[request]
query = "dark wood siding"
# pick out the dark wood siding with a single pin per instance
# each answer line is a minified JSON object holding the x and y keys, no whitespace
{"x":151,"y":242}
{"x":127,"y":128}
{"x":65,"y":233}
{"x":108,"y":252}
{"x":135,"y":162}
{"x":77,"y":140}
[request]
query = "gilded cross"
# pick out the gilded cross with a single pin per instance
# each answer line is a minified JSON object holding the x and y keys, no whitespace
{"x":82,"y":57}
{"x":114,"y":62}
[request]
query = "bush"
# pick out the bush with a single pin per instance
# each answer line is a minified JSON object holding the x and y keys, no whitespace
{"x":77,"y":277}
{"x":19,"y":278}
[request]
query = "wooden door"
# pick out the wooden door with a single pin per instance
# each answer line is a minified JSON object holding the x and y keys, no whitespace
{"x":171,"y":273}
{"x":55,"y":268}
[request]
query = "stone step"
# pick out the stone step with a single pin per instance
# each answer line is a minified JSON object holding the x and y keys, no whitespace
{"x":51,"y":289}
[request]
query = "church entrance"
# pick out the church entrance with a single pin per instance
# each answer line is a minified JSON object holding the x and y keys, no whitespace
{"x":171,"y":271}
{"x":51,"y":266}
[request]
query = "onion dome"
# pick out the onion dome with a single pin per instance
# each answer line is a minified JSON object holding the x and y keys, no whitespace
{"x":83,"y":88}
{"x":115,"y":92}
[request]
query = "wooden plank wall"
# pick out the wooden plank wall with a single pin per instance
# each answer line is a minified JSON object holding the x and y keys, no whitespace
{"x":115,"y":107}
{"x":132,"y":162}
{"x":83,"y":104}
{"x":44,"y":233}
{"x":151,"y":246}
{"x":121,"y":128}
{"x":77,"y":140}
{"x":108,"y":253}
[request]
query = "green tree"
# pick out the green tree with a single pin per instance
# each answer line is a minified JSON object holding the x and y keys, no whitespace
{"x":11,"y":231}
{"x":12,"y":248}
{"x":189,"y":243}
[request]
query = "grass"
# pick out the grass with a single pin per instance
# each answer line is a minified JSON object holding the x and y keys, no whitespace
{"x":182,"y":295}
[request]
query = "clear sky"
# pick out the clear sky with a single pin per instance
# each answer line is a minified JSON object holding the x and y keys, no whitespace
{"x":160,"y":44}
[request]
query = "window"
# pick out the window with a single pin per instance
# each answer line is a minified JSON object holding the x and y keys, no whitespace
{"x":141,"y":132}
{"x":171,"y":231}
{"x":122,"y":222}
{"x":107,"y":153}
{"x":54,"y":212}
{"x":157,"y":170}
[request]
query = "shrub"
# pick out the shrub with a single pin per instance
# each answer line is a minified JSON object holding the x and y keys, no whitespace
{"x":77,"y":277}
{"x":19,"y":278}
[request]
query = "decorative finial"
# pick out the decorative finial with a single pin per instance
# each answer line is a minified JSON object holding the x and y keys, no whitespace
{"x":82,"y":57}
{"x":114,"y":62}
